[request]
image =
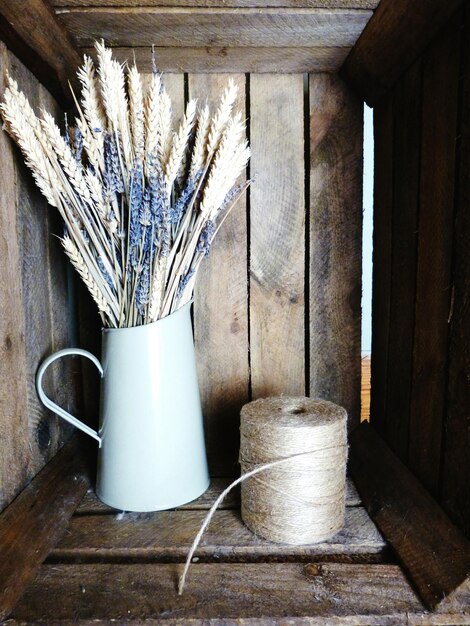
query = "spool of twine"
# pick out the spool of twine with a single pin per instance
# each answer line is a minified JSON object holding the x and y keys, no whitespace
{"x":293,"y":454}
{"x":301,"y":500}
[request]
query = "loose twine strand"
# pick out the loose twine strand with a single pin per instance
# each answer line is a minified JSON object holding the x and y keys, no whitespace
{"x":304,"y":499}
{"x":215,"y":506}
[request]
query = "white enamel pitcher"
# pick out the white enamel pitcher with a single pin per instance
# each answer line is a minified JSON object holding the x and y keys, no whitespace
{"x":151,"y":439}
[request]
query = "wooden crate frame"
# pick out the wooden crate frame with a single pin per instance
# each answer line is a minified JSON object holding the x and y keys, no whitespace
{"x":105,"y":569}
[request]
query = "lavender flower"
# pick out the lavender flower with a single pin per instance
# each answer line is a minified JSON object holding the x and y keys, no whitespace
{"x":67,"y":134}
{"x":145,"y":216}
{"x":179,"y":208}
{"x":78,"y":145}
{"x":136,"y":202}
{"x":184,"y":280}
{"x":105,"y":273}
{"x":205,"y":238}
{"x":230,"y":197}
{"x":158,"y":202}
{"x":142,"y":294}
{"x":112,"y":165}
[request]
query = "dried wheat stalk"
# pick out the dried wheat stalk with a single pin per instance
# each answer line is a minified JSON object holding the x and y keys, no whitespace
{"x":141,"y":200}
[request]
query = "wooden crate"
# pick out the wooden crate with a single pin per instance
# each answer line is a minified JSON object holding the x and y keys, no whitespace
{"x":277,"y":310}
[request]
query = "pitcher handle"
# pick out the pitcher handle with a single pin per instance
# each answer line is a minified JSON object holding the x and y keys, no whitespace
{"x":55,"y":407}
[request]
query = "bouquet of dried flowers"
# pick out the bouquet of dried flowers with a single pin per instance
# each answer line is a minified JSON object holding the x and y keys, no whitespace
{"x":141,"y":202}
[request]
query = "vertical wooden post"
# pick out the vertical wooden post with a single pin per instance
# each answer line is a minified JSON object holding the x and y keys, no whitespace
{"x":336,"y":121}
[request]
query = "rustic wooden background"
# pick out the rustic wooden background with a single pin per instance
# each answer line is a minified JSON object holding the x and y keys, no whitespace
{"x":34,"y":318}
{"x":277,"y":307}
{"x":420,"y":351}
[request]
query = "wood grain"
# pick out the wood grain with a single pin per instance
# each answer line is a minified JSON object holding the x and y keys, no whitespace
{"x":235,"y":60}
{"x":33,"y":234}
{"x":221,"y":323}
{"x":277,"y":236}
{"x":332,"y":593}
{"x":398,"y":33}
{"x":34,"y":33}
{"x":166,"y":536}
{"x":66,"y":388}
{"x":35,"y":521}
{"x":35,"y":281}
{"x":382,"y":258}
{"x":237,"y":4}
{"x":434,"y":258}
{"x":90,"y":505}
{"x":335,"y":242}
{"x":180,"y":26}
{"x":406,"y":156}
{"x":455,"y":490}
{"x":14,"y":459}
{"x":433,"y":552}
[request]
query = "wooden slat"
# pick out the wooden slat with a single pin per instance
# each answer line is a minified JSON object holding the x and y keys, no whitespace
{"x":167,"y":535}
{"x":36,"y":520}
{"x":335,"y":242}
{"x":221,"y":323}
{"x":277,"y":235}
{"x":33,"y":32}
{"x":13,"y":391}
{"x":229,"y":594}
{"x":66,"y":374}
{"x":393,"y":39}
{"x":455,"y":487}
{"x":236,"y":60}
{"x":407,"y":112}
{"x":90,"y":505}
{"x":33,"y":234}
{"x":237,"y":4}
{"x":433,"y":275}
{"x":179,"y":26}
{"x":434,"y":553}
{"x":382,"y":258}
{"x":30,"y":436}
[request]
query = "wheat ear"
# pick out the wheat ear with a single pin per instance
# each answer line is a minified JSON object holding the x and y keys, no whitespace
{"x":199,"y":151}
{"x":180,"y":140}
{"x":107,"y":83}
{"x":221,"y":117}
{"x":72,"y":168}
{"x":91,"y":144}
{"x":78,"y":262}
{"x":23,"y":133}
{"x":222,"y":166}
{"x":165,"y":130}
{"x":123,"y":113}
{"x":152,"y":118}
{"x":91,"y":104}
{"x":136,"y":101}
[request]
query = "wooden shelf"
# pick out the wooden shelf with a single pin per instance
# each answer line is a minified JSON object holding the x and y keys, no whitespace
{"x":97,"y":534}
{"x":113,"y":566}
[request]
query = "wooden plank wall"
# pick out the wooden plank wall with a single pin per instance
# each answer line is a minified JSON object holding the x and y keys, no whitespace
{"x":277,"y":306}
{"x":34,"y":317}
{"x":420,"y":353}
